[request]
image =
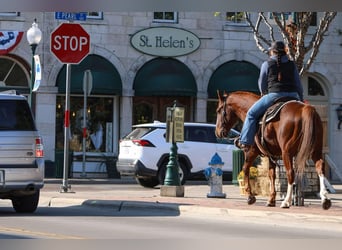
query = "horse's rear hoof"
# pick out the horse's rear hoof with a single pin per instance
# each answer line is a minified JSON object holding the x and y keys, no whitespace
{"x":251,"y":200}
{"x":285,"y":204}
{"x":326,"y":204}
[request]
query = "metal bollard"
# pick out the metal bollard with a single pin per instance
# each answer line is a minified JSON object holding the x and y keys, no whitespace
{"x":214,"y":175}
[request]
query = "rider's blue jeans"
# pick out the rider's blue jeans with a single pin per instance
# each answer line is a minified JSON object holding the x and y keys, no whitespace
{"x":255,"y":112}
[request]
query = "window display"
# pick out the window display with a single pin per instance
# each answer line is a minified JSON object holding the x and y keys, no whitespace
{"x":99,"y":123}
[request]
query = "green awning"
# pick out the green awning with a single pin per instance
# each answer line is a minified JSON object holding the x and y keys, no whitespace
{"x":233,"y":76}
{"x":106,"y":78}
{"x":164,"y":77}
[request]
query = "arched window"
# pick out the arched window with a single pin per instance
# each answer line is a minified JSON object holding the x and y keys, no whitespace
{"x":315,"y":90}
{"x":13,"y":74}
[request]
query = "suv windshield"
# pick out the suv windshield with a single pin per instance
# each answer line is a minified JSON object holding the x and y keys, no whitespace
{"x":15,"y":115}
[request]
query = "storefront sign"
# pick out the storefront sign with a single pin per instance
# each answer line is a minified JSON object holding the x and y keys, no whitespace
{"x":165,"y":41}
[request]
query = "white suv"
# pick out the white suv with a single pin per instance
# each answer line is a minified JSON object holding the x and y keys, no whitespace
{"x":21,"y":154}
{"x":144,"y":152}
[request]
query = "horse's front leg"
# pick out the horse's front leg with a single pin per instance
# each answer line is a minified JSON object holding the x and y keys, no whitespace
{"x":250,"y":156}
{"x":272,"y":176}
{"x":251,"y":198}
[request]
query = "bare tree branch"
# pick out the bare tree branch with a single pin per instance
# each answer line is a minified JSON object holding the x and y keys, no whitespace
{"x":295,"y":34}
{"x":319,"y":36}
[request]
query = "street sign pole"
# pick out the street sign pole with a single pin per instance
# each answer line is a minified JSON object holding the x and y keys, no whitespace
{"x":175,"y":133}
{"x":70,"y":43}
{"x":87,"y":86}
{"x":65,"y":186}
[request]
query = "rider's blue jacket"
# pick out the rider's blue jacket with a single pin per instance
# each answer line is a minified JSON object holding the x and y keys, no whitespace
{"x":264,"y":77}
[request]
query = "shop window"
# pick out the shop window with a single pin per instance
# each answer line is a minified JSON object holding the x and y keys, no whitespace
{"x":236,"y":17}
{"x":165,"y":17}
{"x":99,"y":124}
{"x":143,"y":113}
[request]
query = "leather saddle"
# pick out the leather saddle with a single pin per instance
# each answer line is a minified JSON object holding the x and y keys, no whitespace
{"x":272,"y":111}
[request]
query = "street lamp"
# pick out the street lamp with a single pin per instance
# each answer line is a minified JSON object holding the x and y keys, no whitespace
{"x":33,"y":35}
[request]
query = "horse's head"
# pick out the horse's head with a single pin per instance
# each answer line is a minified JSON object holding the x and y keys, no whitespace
{"x":226,"y":117}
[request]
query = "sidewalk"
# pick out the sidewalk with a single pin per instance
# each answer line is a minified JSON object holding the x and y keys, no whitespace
{"x":120,"y":194}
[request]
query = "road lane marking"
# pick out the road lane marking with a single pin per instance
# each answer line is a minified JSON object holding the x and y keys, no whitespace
{"x":23,"y":232}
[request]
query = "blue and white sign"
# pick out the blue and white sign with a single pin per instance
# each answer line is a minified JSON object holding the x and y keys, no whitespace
{"x":37,"y":74}
{"x":79,"y":16}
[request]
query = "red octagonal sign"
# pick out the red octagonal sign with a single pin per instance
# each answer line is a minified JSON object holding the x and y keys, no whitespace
{"x":70,"y":43}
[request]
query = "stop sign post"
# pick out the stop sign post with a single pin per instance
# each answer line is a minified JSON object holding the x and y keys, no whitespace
{"x":70,"y":43}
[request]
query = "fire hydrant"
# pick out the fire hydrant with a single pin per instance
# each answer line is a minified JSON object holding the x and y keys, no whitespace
{"x":213,"y":174}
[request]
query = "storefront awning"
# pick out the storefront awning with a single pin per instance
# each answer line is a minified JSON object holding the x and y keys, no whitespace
{"x":106,"y":78}
{"x":164,"y":77}
{"x":234,"y":76}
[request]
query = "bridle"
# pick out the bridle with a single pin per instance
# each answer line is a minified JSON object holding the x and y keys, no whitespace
{"x":223,"y":112}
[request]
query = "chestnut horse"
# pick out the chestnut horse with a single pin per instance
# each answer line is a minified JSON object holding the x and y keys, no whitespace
{"x":295,"y":132}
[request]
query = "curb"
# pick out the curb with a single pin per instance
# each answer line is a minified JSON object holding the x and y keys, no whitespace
{"x":252,"y":216}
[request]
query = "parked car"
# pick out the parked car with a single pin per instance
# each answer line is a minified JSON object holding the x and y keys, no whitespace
{"x":21,"y":154}
{"x":144,"y":152}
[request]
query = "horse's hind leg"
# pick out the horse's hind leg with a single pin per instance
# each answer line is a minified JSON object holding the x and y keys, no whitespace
{"x":272,"y":175}
{"x":326,"y":203}
{"x":288,"y":163}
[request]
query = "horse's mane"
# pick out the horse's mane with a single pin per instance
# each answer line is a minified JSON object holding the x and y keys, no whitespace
{"x":246,"y":94}
{"x":242,"y":100}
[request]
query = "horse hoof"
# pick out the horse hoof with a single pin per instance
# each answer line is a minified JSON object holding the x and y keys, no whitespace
{"x":326,"y":204}
{"x":251,"y":200}
{"x":285,"y":205}
{"x":270,"y":204}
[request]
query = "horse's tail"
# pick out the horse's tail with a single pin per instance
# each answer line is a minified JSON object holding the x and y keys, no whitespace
{"x":312,"y":133}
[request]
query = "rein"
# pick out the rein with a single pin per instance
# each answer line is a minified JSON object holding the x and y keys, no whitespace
{"x":224,"y":119}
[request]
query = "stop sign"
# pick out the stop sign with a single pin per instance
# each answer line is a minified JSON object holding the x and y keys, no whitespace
{"x":70,"y":43}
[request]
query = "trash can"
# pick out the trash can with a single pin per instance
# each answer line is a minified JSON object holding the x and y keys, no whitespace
{"x":49,"y":169}
{"x":111,"y":168}
{"x":238,"y":160}
{"x":59,"y":163}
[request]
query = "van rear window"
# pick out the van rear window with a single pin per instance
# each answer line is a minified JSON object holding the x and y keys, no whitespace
{"x":137,"y":133}
{"x":16,"y":115}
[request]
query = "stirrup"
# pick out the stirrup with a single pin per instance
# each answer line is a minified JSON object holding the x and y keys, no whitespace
{"x":239,"y":145}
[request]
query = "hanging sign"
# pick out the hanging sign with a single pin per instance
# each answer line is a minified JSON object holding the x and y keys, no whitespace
{"x":37,"y":73}
{"x":174,"y":124}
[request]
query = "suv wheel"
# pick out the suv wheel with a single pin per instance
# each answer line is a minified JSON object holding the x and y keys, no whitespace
{"x":183,"y":173}
{"x":27,"y":203}
{"x":147,"y":182}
